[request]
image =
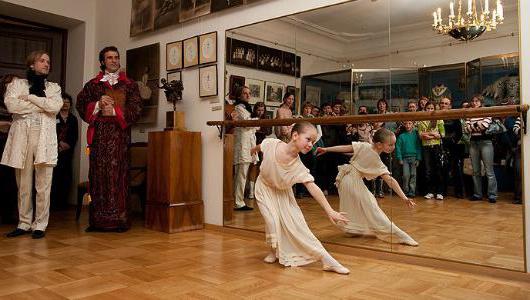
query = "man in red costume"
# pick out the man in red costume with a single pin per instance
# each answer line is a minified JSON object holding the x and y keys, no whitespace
{"x":110,"y":104}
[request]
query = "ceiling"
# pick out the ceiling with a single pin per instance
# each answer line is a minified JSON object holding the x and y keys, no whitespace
{"x":360,"y":19}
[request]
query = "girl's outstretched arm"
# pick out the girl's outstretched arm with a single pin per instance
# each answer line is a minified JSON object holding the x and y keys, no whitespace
{"x":340,"y":149}
{"x":316,"y":192}
{"x":395,"y":186}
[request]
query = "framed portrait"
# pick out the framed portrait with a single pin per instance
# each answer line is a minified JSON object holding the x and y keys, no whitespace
{"x":208,"y":81}
{"x":208,"y":48}
{"x":241,"y":53}
{"x":166,"y":13}
{"x":270,"y":59}
{"x":235,"y":82}
{"x":256,"y":87}
{"x":312,"y":95}
{"x":190,"y":52}
{"x":273,"y":93}
{"x":174,"y":76}
{"x":174,"y":56}
{"x":141,"y":17}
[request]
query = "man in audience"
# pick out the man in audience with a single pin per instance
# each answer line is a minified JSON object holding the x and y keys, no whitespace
{"x":453,"y":134}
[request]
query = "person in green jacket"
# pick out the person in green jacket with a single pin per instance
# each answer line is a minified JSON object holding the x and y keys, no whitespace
{"x":408,"y":153}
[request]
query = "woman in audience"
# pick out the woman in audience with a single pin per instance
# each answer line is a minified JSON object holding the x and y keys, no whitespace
{"x":481,"y":151}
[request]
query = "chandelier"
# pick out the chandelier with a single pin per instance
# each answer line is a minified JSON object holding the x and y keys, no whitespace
{"x":469,"y":25}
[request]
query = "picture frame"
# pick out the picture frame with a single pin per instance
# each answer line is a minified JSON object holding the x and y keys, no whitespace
{"x":312,"y":94}
{"x":241,"y":53}
{"x":190,"y":52}
{"x":235,"y":82}
{"x":269,"y":59}
{"x":174,"y":56}
{"x":208,"y":48}
{"x":191,"y":9}
{"x":208,"y":81}
{"x":174,"y":76}
{"x":289,"y":63}
{"x":257,"y":92}
{"x":142,"y":18}
{"x":273,"y":93}
{"x":166,"y":13}
{"x":219,"y":5}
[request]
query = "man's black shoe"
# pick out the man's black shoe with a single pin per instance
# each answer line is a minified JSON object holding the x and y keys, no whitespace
{"x":17,"y":232}
{"x":38,"y":234}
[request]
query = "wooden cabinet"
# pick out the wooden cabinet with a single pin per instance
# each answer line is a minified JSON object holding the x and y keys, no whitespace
{"x":174,"y":198}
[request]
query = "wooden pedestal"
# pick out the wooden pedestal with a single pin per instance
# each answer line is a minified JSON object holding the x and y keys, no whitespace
{"x":228,"y":177}
{"x":174,"y":200}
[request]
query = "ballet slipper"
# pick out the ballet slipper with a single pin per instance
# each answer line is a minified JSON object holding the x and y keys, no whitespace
{"x":270,"y":259}
{"x":339,"y":269}
{"x":410,"y":242}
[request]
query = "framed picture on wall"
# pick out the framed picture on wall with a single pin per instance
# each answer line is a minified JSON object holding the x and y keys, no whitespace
{"x":191,"y":9}
{"x":174,"y":56}
{"x":312,"y":95}
{"x":241,"y":53}
{"x":174,"y":76}
{"x":298,"y":66}
{"x":273,"y":93}
{"x":270,"y":59}
{"x":235,"y":82}
{"x":191,"y":53}
{"x":142,"y":19}
{"x":166,"y":13}
{"x":208,"y":48}
{"x":270,"y":112}
{"x":218,"y":5}
{"x":288,"y":63}
{"x":256,"y":87}
{"x":208,"y":81}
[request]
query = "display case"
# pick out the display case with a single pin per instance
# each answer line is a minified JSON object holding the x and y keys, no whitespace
{"x":437,"y":82}
{"x":496,"y":78}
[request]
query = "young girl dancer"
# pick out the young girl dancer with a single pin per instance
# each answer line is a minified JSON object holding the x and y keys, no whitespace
{"x":356,"y":200}
{"x":287,"y":233}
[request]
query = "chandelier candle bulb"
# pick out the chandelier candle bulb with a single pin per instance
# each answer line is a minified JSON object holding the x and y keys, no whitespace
{"x":469,"y":7}
{"x":452,"y":9}
{"x":435,"y":19}
{"x":486,"y":6}
{"x":439,"y":10}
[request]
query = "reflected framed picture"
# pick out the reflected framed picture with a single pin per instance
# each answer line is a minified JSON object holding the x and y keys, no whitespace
{"x":208,"y":48}
{"x":269,"y":59}
{"x":256,"y":87}
{"x":174,"y":76}
{"x":190,"y":52}
{"x":241,"y":53}
{"x":288,"y":63}
{"x":234,"y":83}
{"x":174,"y":56}
{"x":312,"y":95}
{"x":273,"y":93}
{"x":208,"y":81}
{"x":218,"y":5}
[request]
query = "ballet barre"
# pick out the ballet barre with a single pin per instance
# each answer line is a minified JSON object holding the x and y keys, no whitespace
{"x":461,"y":113}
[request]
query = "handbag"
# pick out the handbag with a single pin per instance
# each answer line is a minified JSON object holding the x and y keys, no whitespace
{"x":496,"y":127}
{"x":468,"y":167}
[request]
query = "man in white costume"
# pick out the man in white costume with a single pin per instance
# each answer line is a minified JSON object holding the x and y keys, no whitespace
{"x":32,"y":141}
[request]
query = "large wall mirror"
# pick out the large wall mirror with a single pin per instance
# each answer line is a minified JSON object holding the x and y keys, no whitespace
{"x":370,"y":57}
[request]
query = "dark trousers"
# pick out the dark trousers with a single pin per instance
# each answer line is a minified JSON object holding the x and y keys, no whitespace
{"x":433,"y":169}
{"x":453,"y":172}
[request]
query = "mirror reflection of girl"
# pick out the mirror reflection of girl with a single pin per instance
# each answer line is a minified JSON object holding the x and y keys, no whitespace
{"x":290,"y":239}
{"x":356,"y":200}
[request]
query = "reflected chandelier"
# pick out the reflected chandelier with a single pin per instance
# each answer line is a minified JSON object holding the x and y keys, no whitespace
{"x":469,"y":25}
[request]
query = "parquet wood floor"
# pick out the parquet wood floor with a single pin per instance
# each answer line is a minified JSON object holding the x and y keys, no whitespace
{"x":453,"y":229}
{"x":209,"y":264}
